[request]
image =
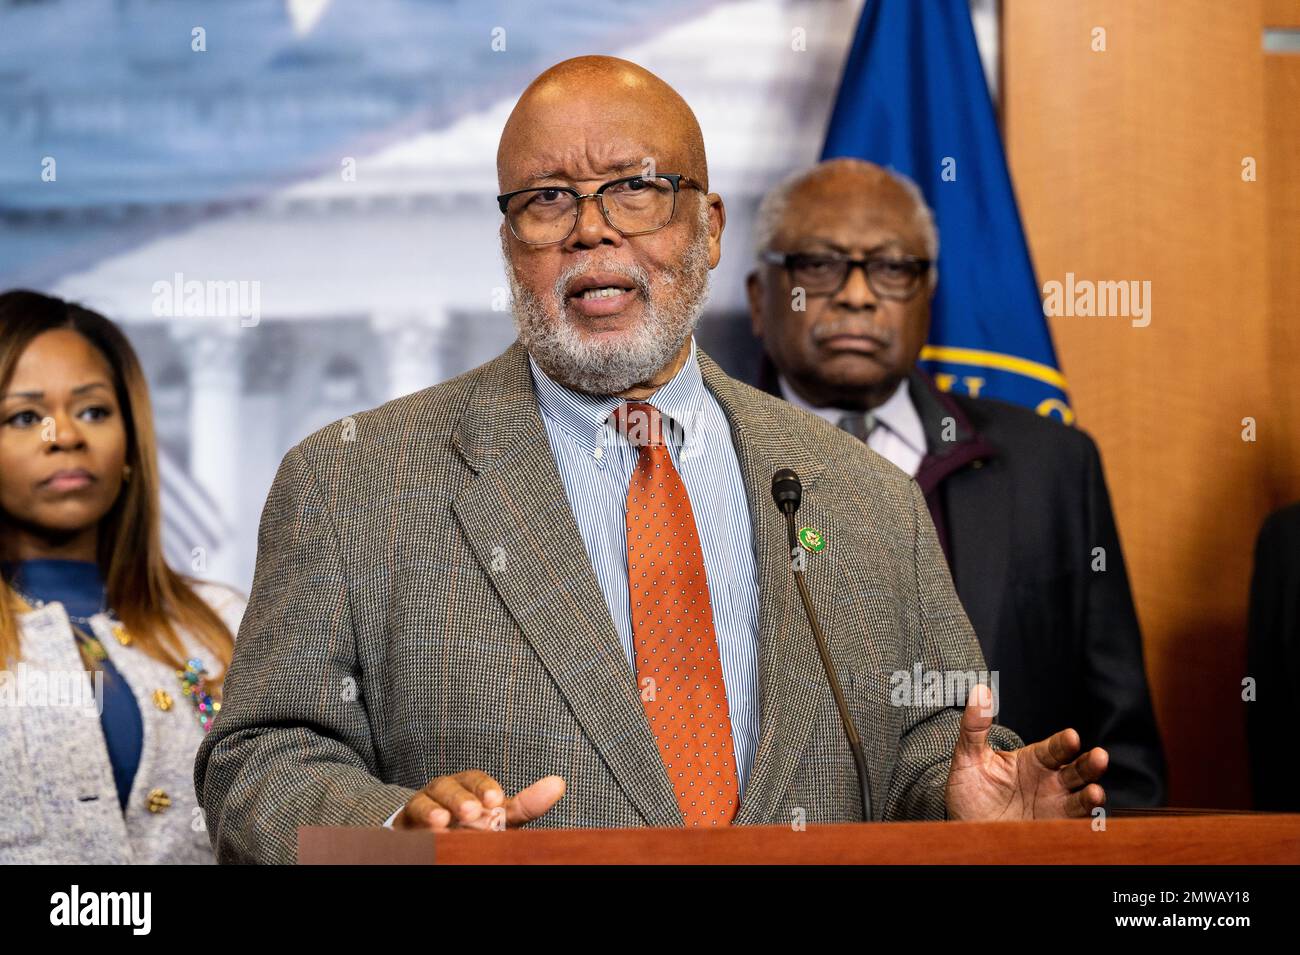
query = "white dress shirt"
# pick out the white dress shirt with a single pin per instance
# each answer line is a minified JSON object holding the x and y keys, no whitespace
{"x":898,"y":435}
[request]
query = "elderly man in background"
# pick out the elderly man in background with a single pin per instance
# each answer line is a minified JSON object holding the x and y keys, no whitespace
{"x":556,"y":590}
{"x":841,"y":301}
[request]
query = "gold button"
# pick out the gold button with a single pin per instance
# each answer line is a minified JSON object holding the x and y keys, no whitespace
{"x":123,"y":637}
{"x":162,"y":699}
{"x":158,"y":800}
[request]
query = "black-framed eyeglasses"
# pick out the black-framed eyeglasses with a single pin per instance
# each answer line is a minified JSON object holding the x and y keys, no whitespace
{"x":633,"y":205}
{"x":888,"y":276}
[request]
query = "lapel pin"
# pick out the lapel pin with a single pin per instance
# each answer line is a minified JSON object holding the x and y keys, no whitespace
{"x":811,"y":539}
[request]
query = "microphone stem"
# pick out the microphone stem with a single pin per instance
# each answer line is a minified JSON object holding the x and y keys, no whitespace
{"x":850,"y":730}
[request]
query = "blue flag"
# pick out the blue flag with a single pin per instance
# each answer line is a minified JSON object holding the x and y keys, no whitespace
{"x":914,"y":98}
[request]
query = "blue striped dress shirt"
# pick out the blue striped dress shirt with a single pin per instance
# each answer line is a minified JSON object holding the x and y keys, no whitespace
{"x":596,"y":465}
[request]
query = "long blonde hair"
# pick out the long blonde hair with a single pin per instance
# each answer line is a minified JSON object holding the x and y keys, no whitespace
{"x":150,"y":598}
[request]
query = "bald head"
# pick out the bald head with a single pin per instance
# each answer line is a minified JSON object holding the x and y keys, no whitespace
{"x":602,"y":115}
{"x":609,"y":307}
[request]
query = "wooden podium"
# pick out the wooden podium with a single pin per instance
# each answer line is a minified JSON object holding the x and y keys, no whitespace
{"x":1171,"y":837}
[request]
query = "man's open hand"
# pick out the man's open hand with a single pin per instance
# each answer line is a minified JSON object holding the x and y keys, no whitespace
{"x":474,"y":800}
{"x":1044,"y":780}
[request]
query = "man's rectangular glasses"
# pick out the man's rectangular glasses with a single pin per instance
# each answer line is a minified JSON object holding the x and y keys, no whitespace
{"x":895,"y":277}
{"x":633,"y":205}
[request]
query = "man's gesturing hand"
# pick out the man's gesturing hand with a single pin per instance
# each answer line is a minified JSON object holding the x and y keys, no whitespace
{"x":474,"y":800}
{"x":1040,"y":781}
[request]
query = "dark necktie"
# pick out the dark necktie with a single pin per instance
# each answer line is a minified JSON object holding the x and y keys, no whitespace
{"x":858,"y":423}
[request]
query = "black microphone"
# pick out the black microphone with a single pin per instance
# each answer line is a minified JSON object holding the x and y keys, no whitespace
{"x":787,"y":491}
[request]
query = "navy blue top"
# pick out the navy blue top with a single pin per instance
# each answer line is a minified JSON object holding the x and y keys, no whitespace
{"x":78,"y":586}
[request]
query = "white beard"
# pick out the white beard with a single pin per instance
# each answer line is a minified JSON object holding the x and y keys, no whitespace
{"x":610,"y":367}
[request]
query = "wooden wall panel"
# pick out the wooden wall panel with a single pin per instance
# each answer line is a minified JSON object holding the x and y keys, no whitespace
{"x":1279,"y":174}
{"x":1128,"y":166}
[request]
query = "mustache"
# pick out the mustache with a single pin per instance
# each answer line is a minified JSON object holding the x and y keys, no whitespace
{"x":635,"y":274}
{"x":852,"y":325}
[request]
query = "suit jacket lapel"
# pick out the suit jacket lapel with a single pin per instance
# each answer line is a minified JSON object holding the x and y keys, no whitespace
{"x":793,"y":686}
{"x":517,"y":519}
{"x":976,"y":510}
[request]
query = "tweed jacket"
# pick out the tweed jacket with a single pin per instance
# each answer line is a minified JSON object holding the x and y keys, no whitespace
{"x":58,"y":801}
{"x":423,"y":604}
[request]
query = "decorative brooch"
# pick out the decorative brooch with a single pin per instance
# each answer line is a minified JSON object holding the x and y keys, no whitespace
{"x":194,"y":685}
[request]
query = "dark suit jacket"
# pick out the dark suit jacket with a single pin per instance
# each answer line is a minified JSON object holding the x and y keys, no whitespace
{"x":423,"y":605}
{"x":1273,"y":653}
{"x":1020,"y":502}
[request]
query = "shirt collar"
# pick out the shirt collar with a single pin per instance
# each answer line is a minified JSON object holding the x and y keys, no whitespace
{"x":583,"y":416}
{"x":898,"y":413}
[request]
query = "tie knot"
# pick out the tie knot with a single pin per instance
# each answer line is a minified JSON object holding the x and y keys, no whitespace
{"x":859,"y":424}
{"x":640,"y":423}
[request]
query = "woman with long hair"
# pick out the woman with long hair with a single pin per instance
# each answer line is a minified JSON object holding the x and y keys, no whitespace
{"x":110,"y":661}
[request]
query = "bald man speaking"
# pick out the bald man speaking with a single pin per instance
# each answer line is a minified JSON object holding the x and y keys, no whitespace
{"x":557,"y":590}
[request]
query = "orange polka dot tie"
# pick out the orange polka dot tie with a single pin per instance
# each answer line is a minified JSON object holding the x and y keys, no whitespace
{"x":678,"y":667}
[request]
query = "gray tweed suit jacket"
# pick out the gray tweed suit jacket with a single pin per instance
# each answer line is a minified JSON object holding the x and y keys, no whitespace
{"x":423,"y":604}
